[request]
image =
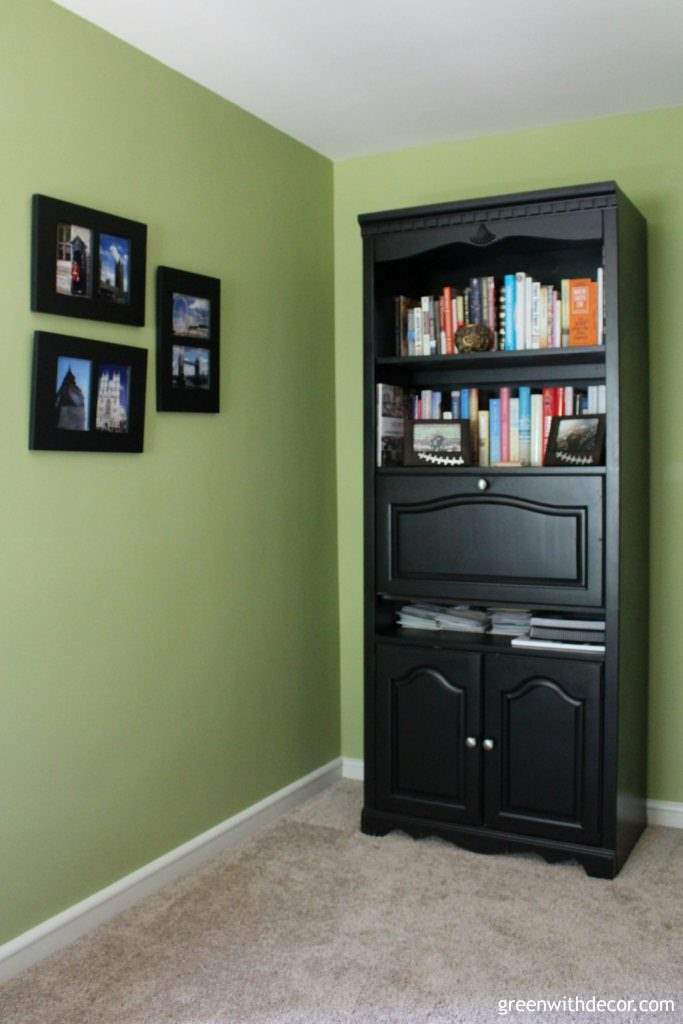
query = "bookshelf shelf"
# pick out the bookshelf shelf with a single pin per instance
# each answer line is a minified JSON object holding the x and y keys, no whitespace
{"x":502,"y":360}
{"x":466,"y":737}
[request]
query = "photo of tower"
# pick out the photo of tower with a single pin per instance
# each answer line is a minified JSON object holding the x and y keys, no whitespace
{"x":72,"y":397}
{"x":112,"y":413}
{"x":190,"y":369}
{"x":114,"y":283}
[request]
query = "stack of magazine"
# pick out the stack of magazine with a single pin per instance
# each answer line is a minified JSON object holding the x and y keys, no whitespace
{"x":457,"y":618}
{"x":510,"y":621}
{"x":551,"y":632}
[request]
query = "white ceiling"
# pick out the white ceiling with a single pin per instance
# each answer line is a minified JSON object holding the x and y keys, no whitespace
{"x":362,"y":76}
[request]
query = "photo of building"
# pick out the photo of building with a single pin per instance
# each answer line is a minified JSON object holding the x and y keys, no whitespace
{"x":114,"y":283}
{"x":74,"y":259}
{"x":191,"y":316}
{"x":190,"y":367}
{"x":72,"y":399}
{"x":112,"y":399}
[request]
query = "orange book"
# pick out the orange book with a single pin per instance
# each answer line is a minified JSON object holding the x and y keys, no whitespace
{"x":583,"y":298}
{"x":448,"y":318}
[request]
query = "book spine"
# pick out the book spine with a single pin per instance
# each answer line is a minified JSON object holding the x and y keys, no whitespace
{"x":494,"y":430}
{"x":464,"y":404}
{"x":568,"y":401}
{"x":491,"y":293}
{"x":455,"y":404}
{"x":559,"y":402}
{"x":537,"y":430}
{"x":483,"y":426}
{"x":535,"y":317}
{"x":520,"y":314}
{"x":509,"y":293}
{"x":601,"y":307}
{"x":527,"y":311}
{"x":448,"y":319}
{"x":525,"y":426}
{"x":460,"y":308}
{"x":582,"y":312}
{"x":557,"y":322}
{"x":474,"y":418}
{"x":505,"y":424}
{"x":475,"y":301}
{"x":514,"y":430}
{"x":418,"y":330}
{"x":564,"y":335}
{"x":548,"y":413}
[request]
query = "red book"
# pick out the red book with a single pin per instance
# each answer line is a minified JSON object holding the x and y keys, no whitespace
{"x":559,"y":401}
{"x":448,"y":319}
{"x":505,"y":424}
{"x":549,"y":410}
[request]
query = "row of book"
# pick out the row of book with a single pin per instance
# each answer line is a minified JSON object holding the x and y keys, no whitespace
{"x":507,"y":426}
{"x":521,"y":313}
{"x":525,"y":629}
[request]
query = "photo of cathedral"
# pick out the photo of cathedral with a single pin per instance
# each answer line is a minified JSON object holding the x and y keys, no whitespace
{"x":72,"y":397}
{"x":113,"y":385}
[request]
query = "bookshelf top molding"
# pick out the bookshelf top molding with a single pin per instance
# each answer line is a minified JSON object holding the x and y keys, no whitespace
{"x":599,"y":196}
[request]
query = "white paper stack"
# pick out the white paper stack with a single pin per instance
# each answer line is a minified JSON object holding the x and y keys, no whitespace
{"x":510,"y":621}
{"x":457,"y":618}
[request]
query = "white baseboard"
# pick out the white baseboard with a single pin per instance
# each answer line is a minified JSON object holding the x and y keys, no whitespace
{"x":659,"y":812}
{"x":64,"y":928}
{"x":353,"y":768}
{"x":662,"y":812}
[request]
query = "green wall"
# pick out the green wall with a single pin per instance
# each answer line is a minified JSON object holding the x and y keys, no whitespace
{"x":644,"y":154}
{"x":168,"y":628}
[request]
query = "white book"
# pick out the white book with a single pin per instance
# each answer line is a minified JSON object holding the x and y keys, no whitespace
{"x":536,"y":430}
{"x":569,"y":401}
{"x":514,"y":430}
{"x":535,"y":319}
{"x":541,"y":620}
{"x":556,"y":645}
{"x":592,"y":398}
{"x":520,"y":315}
{"x":602,"y":398}
{"x":425,"y":301}
{"x":527,"y":310}
{"x":484,"y":438}
{"x":557,"y":323}
{"x":418,"y":331}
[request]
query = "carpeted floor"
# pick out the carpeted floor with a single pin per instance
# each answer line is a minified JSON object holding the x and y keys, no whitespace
{"x":311,"y":922}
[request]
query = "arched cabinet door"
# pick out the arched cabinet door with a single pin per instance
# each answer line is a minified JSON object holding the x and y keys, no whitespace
{"x":428,"y":704}
{"x":543,"y":767}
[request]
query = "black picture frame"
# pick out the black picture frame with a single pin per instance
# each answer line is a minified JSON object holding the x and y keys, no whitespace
{"x":188,"y":341}
{"x":576,"y":441}
{"x":451,"y":448}
{"x":86,"y":263}
{"x":66,"y":414}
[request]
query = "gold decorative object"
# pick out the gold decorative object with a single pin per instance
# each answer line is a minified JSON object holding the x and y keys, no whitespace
{"x":474,"y":338}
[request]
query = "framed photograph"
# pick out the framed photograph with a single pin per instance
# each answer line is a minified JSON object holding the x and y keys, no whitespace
{"x":438,"y":443}
{"x":87,"y":263}
{"x":87,"y":396}
{"x":576,"y":441}
{"x":188,"y":341}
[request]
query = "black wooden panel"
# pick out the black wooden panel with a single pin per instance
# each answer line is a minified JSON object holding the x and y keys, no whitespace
{"x":427,"y":704}
{"x":543,"y":773}
{"x":525,"y":538}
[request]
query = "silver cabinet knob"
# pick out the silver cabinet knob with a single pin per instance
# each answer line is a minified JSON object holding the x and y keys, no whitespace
{"x":471,"y":742}
{"x":482,"y":484}
{"x":488,"y":744}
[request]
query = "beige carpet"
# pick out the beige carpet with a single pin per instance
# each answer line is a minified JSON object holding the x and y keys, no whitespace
{"x":311,"y":922}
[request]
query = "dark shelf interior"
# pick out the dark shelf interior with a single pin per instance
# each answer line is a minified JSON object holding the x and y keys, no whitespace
{"x":452,"y":641}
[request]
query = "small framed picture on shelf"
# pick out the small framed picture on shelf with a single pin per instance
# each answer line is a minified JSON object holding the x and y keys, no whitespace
{"x":87,"y":396}
{"x":576,"y":441}
{"x":438,"y":443}
{"x":188,"y":341}
{"x":86,"y":263}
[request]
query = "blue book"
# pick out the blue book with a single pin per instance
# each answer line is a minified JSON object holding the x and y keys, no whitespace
{"x":464,"y":404}
{"x":475,"y":302}
{"x":455,"y":404}
{"x":494,"y":430}
{"x":525,"y":426}
{"x":510,"y":339}
{"x":436,"y":405}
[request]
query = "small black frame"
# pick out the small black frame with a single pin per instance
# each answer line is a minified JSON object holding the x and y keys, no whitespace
{"x":106,"y":426}
{"x":440,"y":455}
{"x":188,"y":341}
{"x":576,"y":441}
{"x":70,"y":276}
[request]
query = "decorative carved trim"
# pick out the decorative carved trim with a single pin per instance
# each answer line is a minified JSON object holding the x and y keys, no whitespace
{"x":486,"y":215}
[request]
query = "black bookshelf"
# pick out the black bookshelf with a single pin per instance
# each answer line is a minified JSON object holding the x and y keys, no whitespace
{"x":502,"y":748}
